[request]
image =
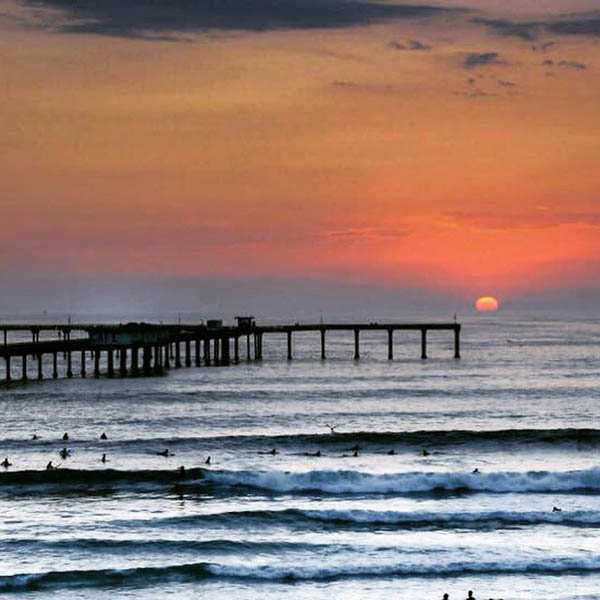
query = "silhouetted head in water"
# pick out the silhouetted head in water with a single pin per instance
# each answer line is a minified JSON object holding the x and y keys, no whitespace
{"x":355,"y":454}
{"x":65,"y":437}
{"x":470,"y":596}
{"x":34,"y":436}
{"x":103,"y":436}
{"x":181,"y":471}
{"x":164,"y":453}
{"x":391,"y":452}
{"x":446,"y":597}
{"x":475,"y":471}
{"x":207,"y":461}
{"x":274,"y":451}
{"x":556,"y":509}
{"x":425,"y":452}
{"x":6,"y":463}
{"x":103,"y":459}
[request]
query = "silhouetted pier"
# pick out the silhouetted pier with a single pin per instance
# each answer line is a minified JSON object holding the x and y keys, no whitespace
{"x":144,"y":349}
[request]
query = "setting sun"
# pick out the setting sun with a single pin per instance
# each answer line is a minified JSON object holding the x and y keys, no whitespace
{"x":487,"y":304}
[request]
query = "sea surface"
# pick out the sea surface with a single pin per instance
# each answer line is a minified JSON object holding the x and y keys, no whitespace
{"x":268,"y":518}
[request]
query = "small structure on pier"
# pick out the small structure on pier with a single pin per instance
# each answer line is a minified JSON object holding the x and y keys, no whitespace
{"x":130,"y":334}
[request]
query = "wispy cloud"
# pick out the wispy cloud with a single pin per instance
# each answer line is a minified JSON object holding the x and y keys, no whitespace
{"x":526,"y":220}
{"x":411,"y":45}
{"x":475,"y":60}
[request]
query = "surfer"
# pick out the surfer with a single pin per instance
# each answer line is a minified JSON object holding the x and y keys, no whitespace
{"x":51,"y":467}
{"x":332,"y":428}
{"x":272,"y":452}
{"x":425,"y":452}
{"x":165,"y":453}
{"x":355,"y":455}
{"x":64,"y":453}
{"x":104,"y":459}
{"x":103,"y":436}
{"x":35,"y":436}
{"x":556,"y":509}
{"x":475,"y":471}
{"x":470,"y":596}
{"x":207,"y":461}
{"x":6,"y":463}
{"x":446,"y":597}
{"x":65,"y":437}
{"x":316,"y":454}
{"x":392,"y":452}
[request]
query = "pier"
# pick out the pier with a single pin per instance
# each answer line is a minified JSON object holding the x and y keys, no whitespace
{"x":145,"y":349}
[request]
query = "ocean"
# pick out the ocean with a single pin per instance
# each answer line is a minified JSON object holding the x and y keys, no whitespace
{"x":440,"y":476}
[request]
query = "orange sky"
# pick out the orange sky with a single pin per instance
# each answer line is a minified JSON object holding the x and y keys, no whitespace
{"x":465,"y":165}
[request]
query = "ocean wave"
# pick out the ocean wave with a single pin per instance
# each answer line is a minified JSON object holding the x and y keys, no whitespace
{"x":359,"y":519}
{"x":194,"y":572}
{"x":331,"y":482}
{"x":383,"y":439}
{"x":340,"y":482}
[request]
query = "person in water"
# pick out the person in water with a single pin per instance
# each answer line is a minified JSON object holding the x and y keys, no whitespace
{"x":65,"y":437}
{"x":104,"y":459}
{"x":64,"y":453}
{"x":207,"y":461}
{"x":470,"y":596}
{"x":475,"y":471}
{"x":425,"y":452}
{"x":6,"y":463}
{"x":103,"y":436}
{"x":556,"y":509}
{"x":392,"y":452}
{"x":50,"y":467}
{"x":165,"y":453}
{"x":35,"y":436}
{"x":446,"y":597}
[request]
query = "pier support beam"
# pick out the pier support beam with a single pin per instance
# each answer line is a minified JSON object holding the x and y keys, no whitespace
{"x":83,"y":365}
{"x":135,"y":369}
{"x":457,"y":342}
{"x":147,"y":360}
{"x":24,"y":368}
{"x":166,"y":358}
{"x":123,"y":362}
{"x":259,"y":356}
{"x":216,"y":352}
{"x":207,"y":351}
{"x":248,"y":355}
{"x":356,"y":344}
{"x":69,"y":365}
{"x":54,"y":365}
{"x":225,"y":352}
{"x":110,"y":362}
{"x":188,"y":354}
{"x":289,"y":345}
{"x":97,"y":364}
{"x":423,"y":344}
{"x":7,"y":361}
{"x":390,"y":344}
{"x":322,"y":344}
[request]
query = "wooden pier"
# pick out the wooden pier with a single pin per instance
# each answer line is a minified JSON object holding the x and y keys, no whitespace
{"x":144,"y":349}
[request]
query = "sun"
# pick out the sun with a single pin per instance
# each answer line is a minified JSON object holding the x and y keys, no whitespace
{"x":487,"y":304}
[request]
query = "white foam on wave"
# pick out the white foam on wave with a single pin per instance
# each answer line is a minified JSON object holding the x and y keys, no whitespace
{"x":356,"y":482}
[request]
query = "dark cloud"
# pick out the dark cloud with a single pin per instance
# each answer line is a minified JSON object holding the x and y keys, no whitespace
{"x":167,"y":19}
{"x":505,"y":28}
{"x":583,"y":25}
{"x":587,"y":24}
{"x":411,"y":45}
{"x":483,"y":59}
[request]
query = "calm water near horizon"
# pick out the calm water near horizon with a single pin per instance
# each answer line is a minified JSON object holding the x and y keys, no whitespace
{"x":521,"y":407}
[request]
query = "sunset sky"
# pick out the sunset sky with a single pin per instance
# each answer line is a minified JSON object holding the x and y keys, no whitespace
{"x":451,"y":147}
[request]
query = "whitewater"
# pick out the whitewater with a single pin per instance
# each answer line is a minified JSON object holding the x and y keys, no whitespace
{"x":442,"y":476}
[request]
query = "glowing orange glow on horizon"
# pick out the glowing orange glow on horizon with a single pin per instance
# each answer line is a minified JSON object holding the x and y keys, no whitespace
{"x":487,"y":304}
